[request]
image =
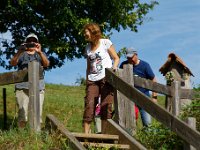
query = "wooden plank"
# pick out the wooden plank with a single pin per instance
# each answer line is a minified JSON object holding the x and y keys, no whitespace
{"x":116,"y":106}
{"x":191,"y":121}
{"x":121,"y":107}
{"x":124,"y":137}
{"x":125,"y":107}
{"x":174,"y":123}
{"x":153,"y":86}
{"x":53,"y":123}
{"x":119,"y":104}
{"x":165,"y":89}
{"x":105,"y":145}
{"x":130,"y":122}
{"x":34,"y":97}
{"x":13,"y":77}
{"x":175,"y":99}
{"x":95,"y":136}
{"x":189,"y":94}
{"x":16,"y":76}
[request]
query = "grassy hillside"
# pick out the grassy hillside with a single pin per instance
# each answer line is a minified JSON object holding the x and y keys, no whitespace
{"x":67,"y":104}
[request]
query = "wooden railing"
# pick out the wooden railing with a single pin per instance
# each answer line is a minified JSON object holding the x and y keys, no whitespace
{"x":182,"y":129}
{"x":31,"y":75}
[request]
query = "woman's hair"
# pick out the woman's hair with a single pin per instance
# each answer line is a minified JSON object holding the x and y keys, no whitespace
{"x":95,"y":31}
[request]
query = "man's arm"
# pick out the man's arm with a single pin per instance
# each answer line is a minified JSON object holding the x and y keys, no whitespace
{"x":114,"y":56}
{"x":14,"y":60}
{"x":45,"y":61}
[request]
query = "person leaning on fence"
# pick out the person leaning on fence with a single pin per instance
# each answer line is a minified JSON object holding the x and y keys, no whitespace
{"x":99,"y":52}
{"x":28,"y":51}
{"x":142,"y":69}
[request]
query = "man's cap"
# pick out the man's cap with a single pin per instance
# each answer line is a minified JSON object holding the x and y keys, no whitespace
{"x":32,"y":35}
{"x":130,"y":52}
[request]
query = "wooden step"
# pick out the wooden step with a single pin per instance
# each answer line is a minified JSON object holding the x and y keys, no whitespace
{"x":96,"y":137}
{"x":113,"y":129}
{"x":105,"y":145}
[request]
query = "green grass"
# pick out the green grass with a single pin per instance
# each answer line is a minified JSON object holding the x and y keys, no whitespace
{"x":67,"y":104}
{"x":64,"y":102}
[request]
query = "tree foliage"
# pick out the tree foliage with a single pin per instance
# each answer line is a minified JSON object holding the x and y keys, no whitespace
{"x":58,"y":23}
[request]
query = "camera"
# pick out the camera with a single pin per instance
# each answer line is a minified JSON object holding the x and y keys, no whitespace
{"x":30,"y":45}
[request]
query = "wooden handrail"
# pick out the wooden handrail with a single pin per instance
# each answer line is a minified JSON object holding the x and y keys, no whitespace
{"x":16,"y":76}
{"x":156,"y":87}
{"x":164,"y":89}
{"x":168,"y":119}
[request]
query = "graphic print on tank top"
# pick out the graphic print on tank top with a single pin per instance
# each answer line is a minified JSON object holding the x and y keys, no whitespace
{"x":95,"y":63}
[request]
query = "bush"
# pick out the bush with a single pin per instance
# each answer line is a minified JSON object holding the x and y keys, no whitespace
{"x":159,"y":137}
{"x":192,"y":110}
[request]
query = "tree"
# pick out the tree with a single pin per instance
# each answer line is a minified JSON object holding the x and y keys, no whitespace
{"x":58,"y":24}
{"x":80,"y":81}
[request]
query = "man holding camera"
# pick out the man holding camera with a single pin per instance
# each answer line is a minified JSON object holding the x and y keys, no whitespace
{"x":27,"y":52}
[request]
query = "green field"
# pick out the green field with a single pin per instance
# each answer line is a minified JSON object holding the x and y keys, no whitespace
{"x":64,"y":102}
{"x":67,"y":104}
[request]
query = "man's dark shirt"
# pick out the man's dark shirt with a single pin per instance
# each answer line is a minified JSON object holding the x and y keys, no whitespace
{"x":142,"y":70}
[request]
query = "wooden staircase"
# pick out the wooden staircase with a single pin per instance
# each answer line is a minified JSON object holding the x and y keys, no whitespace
{"x":115,"y":137}
{"x":100,"y":140}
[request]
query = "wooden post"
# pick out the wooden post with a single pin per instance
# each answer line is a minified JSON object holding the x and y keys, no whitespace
{"x":129,"y":105}
{"x":175,"y":98}
{"x":116,"y":111}
{"x":34,"y":98}
{"x":4,"y":109}
{"x":191,"y":121}
{"x":119,"y":104}
{"x":168,"y":101}
{"x":126,"y":109}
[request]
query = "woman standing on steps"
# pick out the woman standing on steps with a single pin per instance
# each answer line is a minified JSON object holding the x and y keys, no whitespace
{"x":100,"y":53}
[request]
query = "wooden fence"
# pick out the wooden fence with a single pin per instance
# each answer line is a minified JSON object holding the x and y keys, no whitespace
{"x":182,"y":129}
{"x":31,"y":75}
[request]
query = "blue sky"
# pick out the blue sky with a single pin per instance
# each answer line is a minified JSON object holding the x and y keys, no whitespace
{"x":175,"y":27}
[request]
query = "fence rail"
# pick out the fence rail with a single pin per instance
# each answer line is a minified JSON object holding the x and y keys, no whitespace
{"x":16,"y":77}
{"x":31,"y":75}
{"x":190,"y":135}
{"x":164,"y":89}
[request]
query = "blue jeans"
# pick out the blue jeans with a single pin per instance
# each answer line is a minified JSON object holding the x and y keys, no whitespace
{"x":146,"y":117}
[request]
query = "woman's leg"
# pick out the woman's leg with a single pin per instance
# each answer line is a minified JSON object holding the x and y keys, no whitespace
{"x":92,"y":93}
{"x":107,"y":98}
